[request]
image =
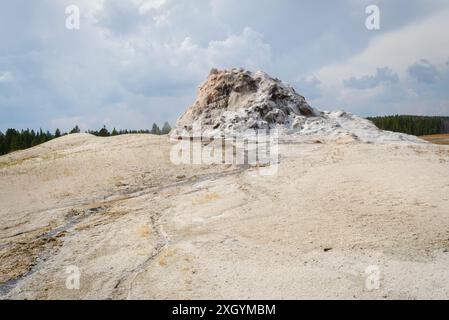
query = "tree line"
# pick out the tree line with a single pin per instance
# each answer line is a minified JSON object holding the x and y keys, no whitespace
{"x":13,"y":140}
{"x":414,"y":125}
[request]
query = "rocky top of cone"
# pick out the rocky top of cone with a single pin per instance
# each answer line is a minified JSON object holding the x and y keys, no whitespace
{"x":231,"y":102}
{"x":238,"y":99}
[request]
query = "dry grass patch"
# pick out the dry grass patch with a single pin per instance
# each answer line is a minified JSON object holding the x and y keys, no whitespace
{"x":441,"y":139}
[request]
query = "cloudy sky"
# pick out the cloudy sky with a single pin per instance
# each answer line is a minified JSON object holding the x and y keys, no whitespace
{"x":135,"y":62}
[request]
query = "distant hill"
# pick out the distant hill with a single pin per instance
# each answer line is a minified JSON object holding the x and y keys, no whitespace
{"x":414,"y":125}
{"x":14,"y":140}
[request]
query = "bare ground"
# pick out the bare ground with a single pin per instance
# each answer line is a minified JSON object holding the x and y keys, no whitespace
{"x":437,"y":138}
{"x":139,"y":227}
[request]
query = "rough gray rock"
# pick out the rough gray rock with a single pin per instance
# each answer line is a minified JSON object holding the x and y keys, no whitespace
{"x":230,"y":102}
{"x":238,"y":99}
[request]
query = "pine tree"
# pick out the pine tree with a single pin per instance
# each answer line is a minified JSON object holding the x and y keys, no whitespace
{"x":57,"y":133}
{"x":166,"y":128}
{"x":15,"y":141}
{"x":75,"y":130}
{"x":155,"y":129}
{"x":103,"y":132}
{"x":2,"y":144}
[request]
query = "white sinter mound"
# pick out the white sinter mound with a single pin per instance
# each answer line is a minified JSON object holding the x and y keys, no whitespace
{"x":233,"y":101}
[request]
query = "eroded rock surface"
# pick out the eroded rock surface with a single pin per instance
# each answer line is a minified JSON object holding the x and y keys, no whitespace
{"x":238,"y":99}
{"x":230,"y":102}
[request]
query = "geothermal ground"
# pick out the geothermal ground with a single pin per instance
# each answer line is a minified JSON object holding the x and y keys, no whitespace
{"x":137,"y":226}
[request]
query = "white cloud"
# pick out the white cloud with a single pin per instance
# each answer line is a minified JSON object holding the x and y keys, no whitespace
{"x":5,"y":77}
{"x":424,"y":71}
{"x":246,"y":50}
{"x":381,"y":77}
{"x":397,"y":50}
{"x":309,"y":87}
{"x":148,"y":5}
{"x":140,"y":61}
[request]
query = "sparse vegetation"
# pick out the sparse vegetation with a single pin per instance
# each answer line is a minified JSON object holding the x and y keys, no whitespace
{"x":442,"y":139}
